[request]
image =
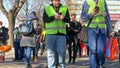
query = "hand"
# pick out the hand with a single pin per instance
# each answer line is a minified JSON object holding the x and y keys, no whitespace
{"x":94,"y":12}
{"x":62,"y":17}
{"x":57,"y":16}
{"x":111,"y":34}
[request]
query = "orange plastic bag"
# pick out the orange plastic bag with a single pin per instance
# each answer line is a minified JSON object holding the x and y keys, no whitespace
{"x":5,"y":48}
{"x":111,"y":50}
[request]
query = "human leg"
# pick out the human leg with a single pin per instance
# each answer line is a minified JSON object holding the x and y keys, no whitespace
{"x":74,"y":49}
{"x":27,"y":56}
{"x":51,"y":50}
{"x":101,"y":42}
{"x":69,"y":49}
{"x":21,"y":53}
{"x":16,"y":50}
{"x":92,"y":36}
{"x":61,"y":50}
{"x":79,"y":47}
{"x":35,"y":54}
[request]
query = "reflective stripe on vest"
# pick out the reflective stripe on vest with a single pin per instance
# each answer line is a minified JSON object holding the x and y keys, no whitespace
{"x":57,"y":25}
{"x":97,"y":20}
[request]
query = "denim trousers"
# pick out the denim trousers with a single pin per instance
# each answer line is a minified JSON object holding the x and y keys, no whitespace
{"x":19,"y":51}
{"x":96,"y":43}
{"x":119,"y":43}
{"x":56,"y":50}
{"x":28,"y":55}
{"x":36,"y":49}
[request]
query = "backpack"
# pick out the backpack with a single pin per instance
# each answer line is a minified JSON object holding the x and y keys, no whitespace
{"x":26,"y":28}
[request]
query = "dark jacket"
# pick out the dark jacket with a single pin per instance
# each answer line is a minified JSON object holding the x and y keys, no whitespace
{"x":74,"y":26}
{"x":4,"y":33}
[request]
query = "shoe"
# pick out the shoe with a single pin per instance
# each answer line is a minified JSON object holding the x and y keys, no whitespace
{"x":103,"y":66}
{"x":69,"y":61}
{"x":73,"y":62}
{"x":41,"y":53}
{"x":35,"y":58}
{"x":15,"y":60}
{"x":21,"y":60}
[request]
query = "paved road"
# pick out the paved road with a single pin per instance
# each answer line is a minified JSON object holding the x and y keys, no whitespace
{"x":80,"y":62}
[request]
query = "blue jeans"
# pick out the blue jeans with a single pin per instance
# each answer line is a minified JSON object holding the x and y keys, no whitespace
{"x":56,"y":50}
{"x":19,"y":51}
{"x":119,"y":43}
{"x":27,"y":55}
{"x":96,"y":43}
{"x":35,"y":49}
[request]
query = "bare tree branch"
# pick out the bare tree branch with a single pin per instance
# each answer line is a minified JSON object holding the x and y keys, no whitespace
{"x":19,"y":7}
{"x":13,"y":8}
{"x":16,"y":3}
{"x":3,"y":8}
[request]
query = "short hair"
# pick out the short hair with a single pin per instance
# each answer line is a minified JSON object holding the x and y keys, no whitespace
{"x":1,"y":23}
{"x":73,"y":14}
{"x":34,"y":12}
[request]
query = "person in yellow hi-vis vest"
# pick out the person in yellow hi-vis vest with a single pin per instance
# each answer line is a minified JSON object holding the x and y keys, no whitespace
{"x":97,"y":12}
{"x":55,"y":17}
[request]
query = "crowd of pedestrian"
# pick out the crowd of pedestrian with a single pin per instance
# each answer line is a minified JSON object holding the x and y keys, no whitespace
{"x":62,"y":31}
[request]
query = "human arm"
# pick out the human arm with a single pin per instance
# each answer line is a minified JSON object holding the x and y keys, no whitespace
{"x":85,"y":9}
{"x":107,"y":20}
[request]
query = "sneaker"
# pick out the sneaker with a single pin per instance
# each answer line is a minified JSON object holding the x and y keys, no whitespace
{"x":35,"y":58}
{"x":41,"y":53}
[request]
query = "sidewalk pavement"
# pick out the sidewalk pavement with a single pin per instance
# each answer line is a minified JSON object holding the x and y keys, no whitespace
{"x":42,"y":62}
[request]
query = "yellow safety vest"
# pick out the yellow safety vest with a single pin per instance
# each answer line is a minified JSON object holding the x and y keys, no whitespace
{"x":97,"y":20}
{"x":57,"y":25}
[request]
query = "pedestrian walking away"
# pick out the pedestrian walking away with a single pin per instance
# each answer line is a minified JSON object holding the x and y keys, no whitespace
{"x":29,"y":41}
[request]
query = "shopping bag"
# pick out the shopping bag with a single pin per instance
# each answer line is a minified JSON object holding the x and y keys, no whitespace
{"x":111,"y":49}
{"x":83,"y":49}
{"x":84,"y":34}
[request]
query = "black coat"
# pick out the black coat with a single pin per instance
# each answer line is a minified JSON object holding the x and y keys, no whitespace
{"x":74,"y":26}
{"x":4,"y":34}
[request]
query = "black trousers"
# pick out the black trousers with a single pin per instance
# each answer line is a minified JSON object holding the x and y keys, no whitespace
{"x":72,"y":48}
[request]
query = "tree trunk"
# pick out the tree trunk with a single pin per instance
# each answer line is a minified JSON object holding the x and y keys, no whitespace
{"x":11,"y":22}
